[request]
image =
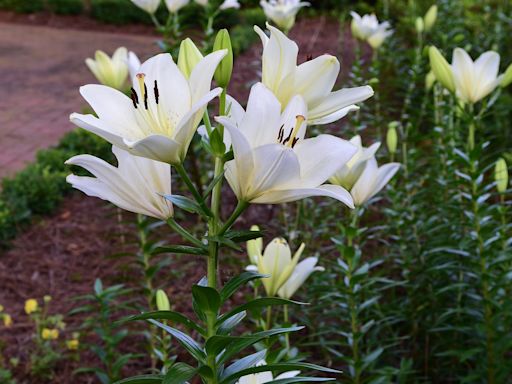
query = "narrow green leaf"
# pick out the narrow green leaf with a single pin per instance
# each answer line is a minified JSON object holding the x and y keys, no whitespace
{"x":179,"y":373}
{"x":166,"y":315}
{"x":244,"y":363}
{"x":184,"y":203}
{"x":185,"y":340}
{"x":181,"y":249}
{"x":233,"y":284}
{"x":257,"y":304}
{"x":207,"y":299}
{"x":142,"y":379}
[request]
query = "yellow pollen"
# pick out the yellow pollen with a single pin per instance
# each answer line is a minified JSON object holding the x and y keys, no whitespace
{"x":299,"y":120}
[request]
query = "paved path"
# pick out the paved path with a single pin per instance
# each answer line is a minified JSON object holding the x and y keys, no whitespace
{"x":41,"y":69}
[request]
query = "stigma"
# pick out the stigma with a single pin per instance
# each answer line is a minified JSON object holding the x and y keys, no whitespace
{"x":143,"y":89}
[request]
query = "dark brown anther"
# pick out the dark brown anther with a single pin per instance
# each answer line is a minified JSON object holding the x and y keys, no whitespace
{"x":281,"y":134}
{"x":295,"y":142}
{"x":157,"y":94}
{"x":289,"y":137}
{"x":309,"y":57}
{"x":145,"y":96}
{"x":135,"y":98}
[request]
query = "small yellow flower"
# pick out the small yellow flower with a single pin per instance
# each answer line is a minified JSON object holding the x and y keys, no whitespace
{"x":1,"y":308}
{"x":72,"y":344}
{"x":7,"y":320}
{"x":31,"y":306}
{"x":50,"y":334}
{"x":47,"y":298}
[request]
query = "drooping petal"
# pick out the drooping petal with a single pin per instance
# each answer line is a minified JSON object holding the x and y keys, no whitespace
{"x":463,"y":73}
{"x":98,"y":127}
{"x":339,"y":100}
{"x":300,"y":274}
{"x":156,"y":147}
{"x":113,"y":108}
{"x":320,"y":157}
{"x":289,"y":195}
{"x":384,"y":174}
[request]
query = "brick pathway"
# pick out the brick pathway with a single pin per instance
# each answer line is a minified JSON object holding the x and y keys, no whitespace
{"x":42,"y":69}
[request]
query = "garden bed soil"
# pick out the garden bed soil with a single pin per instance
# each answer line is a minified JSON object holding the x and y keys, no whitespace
{"x":61,"y":255}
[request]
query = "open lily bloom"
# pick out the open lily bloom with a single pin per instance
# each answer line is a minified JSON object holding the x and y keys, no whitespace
{"x":313,"y":80}
{"x":150,"y":6}
{"x":265,"y":377}
{"x":162,"y":115}
{"x":372,"y":180}
{"x":298,"y":277}
{"x":136,"y":184}
{"x":367,"y":28}
{"x":110,"y":71}
{"x":273,"y":161}
{"x":348,"y":173}
{"x":475,"y":80}
{"x":174,"y":6}
{"x":282,"y":12}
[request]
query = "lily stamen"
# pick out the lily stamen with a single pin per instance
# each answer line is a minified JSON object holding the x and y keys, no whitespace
{"x":292,"y":139}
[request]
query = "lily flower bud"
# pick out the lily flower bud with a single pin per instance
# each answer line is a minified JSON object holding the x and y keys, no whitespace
{"x":501,"y":175}
{"x":430,"y":17}
{"x":225,"y":67}
{"x":254,"y":247}
{"x":430,"y":79}
{"x":420,"y":25}
{"x":392,"y":137}
{"x":188,"y":57}
{"x":441,"y":69}
{"x":162,"y":301}
{"x":507,"y":77}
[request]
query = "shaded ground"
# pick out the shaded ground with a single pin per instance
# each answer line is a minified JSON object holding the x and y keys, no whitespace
{"x":63,"y":254}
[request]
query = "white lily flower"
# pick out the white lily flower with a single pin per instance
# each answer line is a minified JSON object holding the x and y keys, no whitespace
{"x":475,"y":80}
{"x":277,"y":262}
{"x":349,"y":172}
{"x":367,"y":28}
{"x":313,"y":80}
{"x":273,"y":161}
{"x":283,"y":12}
{"x":133,"y":64}
{"x":227,"y":4}
{"x":265,"y":377}
{"x":160,"y":119}
{"x":300,"y":274}
{"x":136,"y":185}
{"x":150,"y":6}
{"x":111,"y":72}
{"x":372,"y":180}
{"x":203,"y":3}
{"x":174,"y":6}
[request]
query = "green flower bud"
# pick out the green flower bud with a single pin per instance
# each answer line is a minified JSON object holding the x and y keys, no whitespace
{"x":420,"y":26}
{"x":392,"y":137}
{"x":162,"y":301}
{"x":507,"y":77}
{"x":501,"y":175}
{"x":225,"y":67}
{"x":442,"y":70}
{"x":430,"y":17}
{"x":430,"y":79}
{"x":188,"y":57}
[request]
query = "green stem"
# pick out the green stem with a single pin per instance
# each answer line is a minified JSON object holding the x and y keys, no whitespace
{"x":286,"y":320}
{"x":190,"y":185}
{"x":183,"y":232}
{"x":240,"y":208}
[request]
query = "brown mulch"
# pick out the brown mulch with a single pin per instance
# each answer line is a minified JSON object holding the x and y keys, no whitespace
{"x":63,"y":254}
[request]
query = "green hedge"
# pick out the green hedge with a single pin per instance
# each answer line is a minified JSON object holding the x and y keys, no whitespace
{"x":40,"y":187}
